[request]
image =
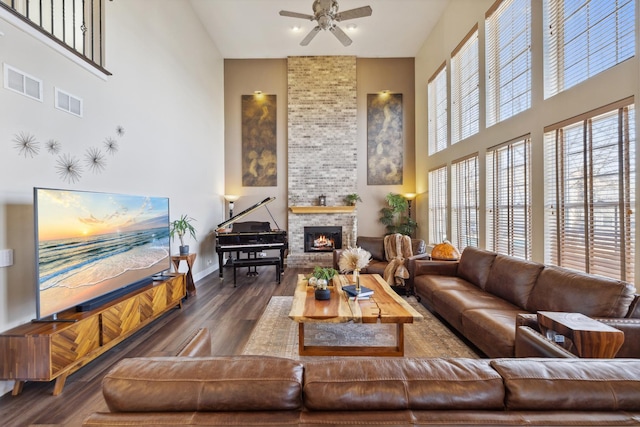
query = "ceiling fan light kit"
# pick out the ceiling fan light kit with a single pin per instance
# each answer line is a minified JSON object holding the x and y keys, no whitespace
{"x":325,"y":13}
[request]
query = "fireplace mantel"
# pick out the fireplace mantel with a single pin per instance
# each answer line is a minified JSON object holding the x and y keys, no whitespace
{"x":321,"y":209}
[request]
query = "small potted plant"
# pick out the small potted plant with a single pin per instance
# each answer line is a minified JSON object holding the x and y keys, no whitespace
{"x":181,"y":227}
{"x":320,"y":279}
{"x":352,"y":199}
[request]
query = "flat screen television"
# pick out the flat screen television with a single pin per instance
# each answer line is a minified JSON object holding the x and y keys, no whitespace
{"x":92,"y":247}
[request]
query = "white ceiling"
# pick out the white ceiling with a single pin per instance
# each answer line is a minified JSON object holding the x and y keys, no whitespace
{"x":254,"y":28}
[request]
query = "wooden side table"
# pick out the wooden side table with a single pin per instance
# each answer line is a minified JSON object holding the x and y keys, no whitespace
{"x":590,"y":337}
{"x":190,"y":258}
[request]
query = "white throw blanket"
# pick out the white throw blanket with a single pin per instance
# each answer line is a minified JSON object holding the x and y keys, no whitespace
{"x":397,"y":248}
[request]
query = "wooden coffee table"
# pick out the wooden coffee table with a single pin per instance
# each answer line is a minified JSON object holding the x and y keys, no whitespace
{"x":385,"y":306}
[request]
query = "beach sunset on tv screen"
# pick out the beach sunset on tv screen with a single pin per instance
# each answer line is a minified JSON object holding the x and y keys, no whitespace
{"x":90,"y":244}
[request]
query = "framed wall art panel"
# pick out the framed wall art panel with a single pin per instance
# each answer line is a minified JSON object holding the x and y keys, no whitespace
{"x":259,"y":143}
{"x":385,"y":139}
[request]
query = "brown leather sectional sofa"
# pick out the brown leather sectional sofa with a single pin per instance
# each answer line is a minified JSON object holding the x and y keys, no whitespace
{"x":375,"y":246}
{"x":268,"y":391}
{"x":485,"y":296}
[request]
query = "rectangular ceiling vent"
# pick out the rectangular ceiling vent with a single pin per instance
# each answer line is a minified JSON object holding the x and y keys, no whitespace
{"x":22,"y":83}
{"x":69,"y":103}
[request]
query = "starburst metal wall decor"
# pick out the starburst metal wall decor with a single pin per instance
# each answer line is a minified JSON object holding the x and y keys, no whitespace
{"x":95,"y":160}
{"x":111,"y":145}
{"x":26,"y":144}
{"x":69,"y":168}
{"x":53,"y":146}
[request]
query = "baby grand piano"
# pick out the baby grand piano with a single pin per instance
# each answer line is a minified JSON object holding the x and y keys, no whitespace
{"x":250,"y":237}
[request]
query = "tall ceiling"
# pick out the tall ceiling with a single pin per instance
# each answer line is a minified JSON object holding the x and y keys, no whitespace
{"x":254,"y":28}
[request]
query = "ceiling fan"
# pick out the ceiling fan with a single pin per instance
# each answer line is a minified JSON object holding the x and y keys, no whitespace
{"x":325,"y":12}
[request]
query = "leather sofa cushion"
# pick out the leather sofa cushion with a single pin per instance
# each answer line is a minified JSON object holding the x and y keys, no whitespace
{"x":375,"y":267}
{"x":570,"y":384}
{"x":475,"y":264}
{"x":492,"y":330}
{"x":418,"y":246}
{"x":561,"y":289}
{"x":426,"y":285}
{"x":178,"y":384}
{"x":398,"y":384}
{"x":513,"y":279}
{"x":374,"y":245}
{"x":451,"y":304}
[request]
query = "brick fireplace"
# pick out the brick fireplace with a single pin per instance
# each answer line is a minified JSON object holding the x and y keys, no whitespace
{"x":322,"y":150}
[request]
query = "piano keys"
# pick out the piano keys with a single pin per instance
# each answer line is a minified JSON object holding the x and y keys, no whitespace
{"x":249,"y":237}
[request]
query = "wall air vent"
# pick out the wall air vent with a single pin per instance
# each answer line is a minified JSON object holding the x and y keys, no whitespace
{"x":22,"y":83}
{"x":69,"y":103}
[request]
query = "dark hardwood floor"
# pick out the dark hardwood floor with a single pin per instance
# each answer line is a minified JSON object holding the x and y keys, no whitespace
{"x":229,"y":313}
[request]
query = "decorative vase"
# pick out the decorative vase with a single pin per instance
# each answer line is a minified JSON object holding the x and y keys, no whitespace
{"x":356,"y":279}
{"x":322,"y":294}
{"x":184,"y":250}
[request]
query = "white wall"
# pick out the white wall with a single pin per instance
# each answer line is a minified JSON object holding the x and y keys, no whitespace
{"x":166,"y":91}
{"x":609,"y":86}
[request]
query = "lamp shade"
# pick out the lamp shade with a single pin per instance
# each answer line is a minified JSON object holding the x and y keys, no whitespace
{"x":445,"y":251}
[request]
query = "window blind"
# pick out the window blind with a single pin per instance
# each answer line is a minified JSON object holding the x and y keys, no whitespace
{"x":509,"y":198}
{"x":437,"y":99}
{"x":464,"y":202}
{"x":583,"y":38}
{"x":590,"y":194}
{"x":508,"y":60}
{"x":465,"y":88}
{"x":438,"y":205}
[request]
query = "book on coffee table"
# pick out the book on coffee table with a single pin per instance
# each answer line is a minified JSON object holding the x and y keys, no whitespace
{"x":351,"y":290}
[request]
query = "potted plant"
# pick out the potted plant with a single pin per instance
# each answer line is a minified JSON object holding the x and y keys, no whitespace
{"x":393,"y":216}
{"x":320,"y":279}
{"x":352,"y":199}
{"x":181,"y":227}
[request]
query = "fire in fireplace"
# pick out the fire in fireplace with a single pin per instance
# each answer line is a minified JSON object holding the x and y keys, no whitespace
{"x":322,"y":239}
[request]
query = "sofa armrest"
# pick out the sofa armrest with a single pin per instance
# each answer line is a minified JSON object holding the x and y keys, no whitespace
{"x":531,"y":343}
{"x":631,"y":328}
{"x":634,"y":308}
{"x":527,"y":319}
{"x":337,"y":253}
{"x":197,"y":345}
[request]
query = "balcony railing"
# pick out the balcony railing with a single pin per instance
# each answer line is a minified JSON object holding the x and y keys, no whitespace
{"x":77,"y":25}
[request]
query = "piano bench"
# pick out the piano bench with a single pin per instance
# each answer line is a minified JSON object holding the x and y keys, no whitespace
{"x":255,"y":262}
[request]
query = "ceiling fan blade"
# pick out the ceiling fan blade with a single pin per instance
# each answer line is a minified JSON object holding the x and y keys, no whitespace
{"x":310,"y":36}
{"x":340,"y":35}
{"x":354,"y":13}
{"x":296,"y":15}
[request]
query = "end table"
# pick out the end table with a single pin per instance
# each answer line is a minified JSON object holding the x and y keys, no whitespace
{"x":190,"y":258}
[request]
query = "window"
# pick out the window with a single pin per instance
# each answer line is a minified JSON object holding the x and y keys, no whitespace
{"x":508,"y":57}
{"x":590,"y":192}
{"x":438,"y":205}
{"x":509,"y":198}
{"x":465,"y":90}
{"x":583,"y":38}
{"x":437,"y":99}
{"x":77,"y":25}
{"x":464,"y":202}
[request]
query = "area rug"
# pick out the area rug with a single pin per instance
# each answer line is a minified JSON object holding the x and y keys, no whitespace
{"x":276,"y":334}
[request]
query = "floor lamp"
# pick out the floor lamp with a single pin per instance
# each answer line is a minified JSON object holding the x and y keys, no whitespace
{"x":231,"y":198}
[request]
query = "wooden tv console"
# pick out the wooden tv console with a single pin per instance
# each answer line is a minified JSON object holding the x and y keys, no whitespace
{"x":54,"y":350}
